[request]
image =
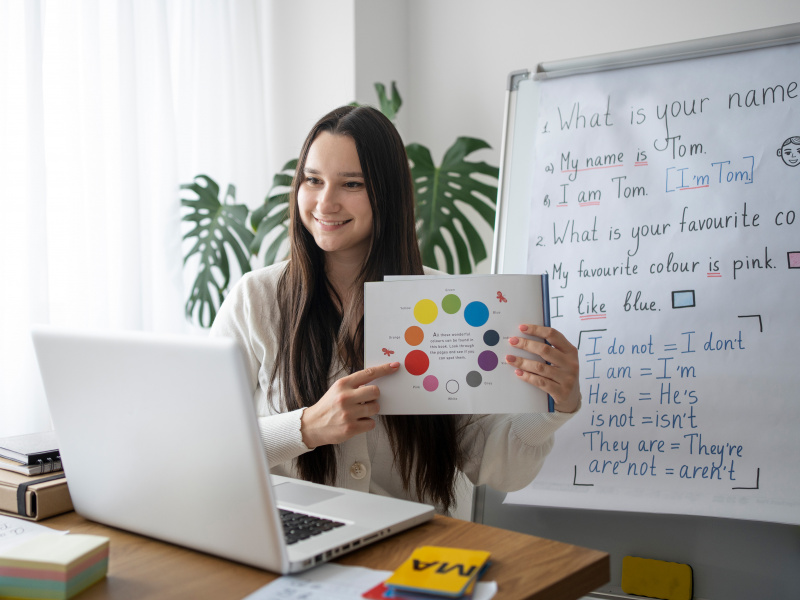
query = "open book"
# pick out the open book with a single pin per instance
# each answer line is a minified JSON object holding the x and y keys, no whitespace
{"x":450,"y":335}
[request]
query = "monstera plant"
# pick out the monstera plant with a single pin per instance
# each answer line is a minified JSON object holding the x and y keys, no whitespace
{"x":220,"y":228}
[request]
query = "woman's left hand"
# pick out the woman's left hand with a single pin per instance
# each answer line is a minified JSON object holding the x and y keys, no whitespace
{"x":558,"y":375}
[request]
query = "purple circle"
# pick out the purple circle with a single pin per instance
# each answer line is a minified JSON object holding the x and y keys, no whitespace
{"x":487,"y":360}
{"x":430,"y":383}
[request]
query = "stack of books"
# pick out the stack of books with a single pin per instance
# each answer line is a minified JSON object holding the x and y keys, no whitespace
{"x":434,"y":572}
{"x":53,"y":566}
{"x":32,"y":483}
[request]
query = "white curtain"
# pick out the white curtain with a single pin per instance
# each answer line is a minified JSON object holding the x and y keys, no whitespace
{"x":106,"y":107}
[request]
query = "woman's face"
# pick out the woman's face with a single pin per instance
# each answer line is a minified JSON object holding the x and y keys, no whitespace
{"x":332,"y":197}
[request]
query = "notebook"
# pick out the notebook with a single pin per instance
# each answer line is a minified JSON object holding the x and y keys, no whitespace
{"x":31,"y":449}
{"x":158,"y":435}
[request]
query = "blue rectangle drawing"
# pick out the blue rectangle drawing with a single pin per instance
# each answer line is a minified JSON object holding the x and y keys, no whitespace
{"x":683,"y":299}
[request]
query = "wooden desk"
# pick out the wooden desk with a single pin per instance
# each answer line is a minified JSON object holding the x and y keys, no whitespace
{"x":523,"y":566}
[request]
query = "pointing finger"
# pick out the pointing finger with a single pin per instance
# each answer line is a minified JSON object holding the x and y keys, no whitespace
{"x":360,"y":378}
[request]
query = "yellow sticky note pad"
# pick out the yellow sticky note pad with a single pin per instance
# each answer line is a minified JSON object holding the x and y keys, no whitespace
{"x":439,"y":570}
{"x":656,"y":578}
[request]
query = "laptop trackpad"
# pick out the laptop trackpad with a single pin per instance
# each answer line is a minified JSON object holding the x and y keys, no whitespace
{"x":302,"y":495}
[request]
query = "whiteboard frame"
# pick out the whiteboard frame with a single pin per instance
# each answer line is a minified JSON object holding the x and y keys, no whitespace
{"x":695,"y":538}
{"x":509,"y":219}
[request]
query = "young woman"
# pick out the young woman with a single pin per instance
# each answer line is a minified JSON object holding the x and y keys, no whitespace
{"x":300,"y":323}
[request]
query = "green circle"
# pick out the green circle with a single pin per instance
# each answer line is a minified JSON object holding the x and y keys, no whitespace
{"x":451,"y":304}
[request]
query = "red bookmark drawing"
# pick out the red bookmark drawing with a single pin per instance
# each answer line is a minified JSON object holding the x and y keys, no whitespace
{"x":387,"y":352}
{"x":500,"y":297}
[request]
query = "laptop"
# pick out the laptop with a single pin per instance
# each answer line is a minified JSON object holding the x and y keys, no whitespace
{"x":158,"y":435}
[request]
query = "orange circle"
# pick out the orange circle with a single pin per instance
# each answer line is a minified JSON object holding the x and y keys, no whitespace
{"x":414,"y":336}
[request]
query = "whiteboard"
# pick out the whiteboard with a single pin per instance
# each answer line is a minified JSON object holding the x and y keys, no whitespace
{"x":656,"y":199}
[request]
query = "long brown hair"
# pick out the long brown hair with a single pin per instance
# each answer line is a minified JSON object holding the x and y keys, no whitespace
{"x":314,"y":333}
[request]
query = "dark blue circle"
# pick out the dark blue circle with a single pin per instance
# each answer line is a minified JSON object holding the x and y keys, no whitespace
{"x":491,"y":337}
{"x":476,"y":314}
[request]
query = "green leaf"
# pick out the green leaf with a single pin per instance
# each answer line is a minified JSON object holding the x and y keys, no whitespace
{"x":440,"y":192}
{"x":217,"y":228}
{"x":274,"y":214}
{"x":389,"y":106}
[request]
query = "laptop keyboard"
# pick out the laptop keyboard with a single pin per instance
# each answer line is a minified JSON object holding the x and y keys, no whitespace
{"x":297,"y":526}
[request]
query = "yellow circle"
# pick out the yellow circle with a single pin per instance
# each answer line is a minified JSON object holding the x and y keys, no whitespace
{"x":425,"y":311}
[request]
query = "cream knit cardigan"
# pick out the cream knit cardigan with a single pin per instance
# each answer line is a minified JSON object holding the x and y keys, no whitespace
{"x":504,"y":451}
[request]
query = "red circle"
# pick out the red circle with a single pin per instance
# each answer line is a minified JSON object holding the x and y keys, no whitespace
{"x":417,"y":362}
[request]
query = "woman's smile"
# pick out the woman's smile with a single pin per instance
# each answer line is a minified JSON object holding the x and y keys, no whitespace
{"x":330,"y":225}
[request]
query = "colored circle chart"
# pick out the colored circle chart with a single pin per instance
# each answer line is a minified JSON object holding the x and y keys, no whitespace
{"x":475,"y":314}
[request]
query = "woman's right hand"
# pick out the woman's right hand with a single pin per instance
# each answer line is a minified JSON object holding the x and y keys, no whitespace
{"x":346,"y":409}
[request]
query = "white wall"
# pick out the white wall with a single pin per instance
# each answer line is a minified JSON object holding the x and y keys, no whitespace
{"x":461,"y":52}
{"x":382,"y":52}
{"x":310,"y":60}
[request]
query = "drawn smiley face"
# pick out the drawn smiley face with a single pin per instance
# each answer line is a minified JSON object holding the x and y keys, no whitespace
{"x":790,"y":153}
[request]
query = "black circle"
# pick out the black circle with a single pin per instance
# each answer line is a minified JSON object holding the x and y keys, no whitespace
{"x":491,"y":337}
